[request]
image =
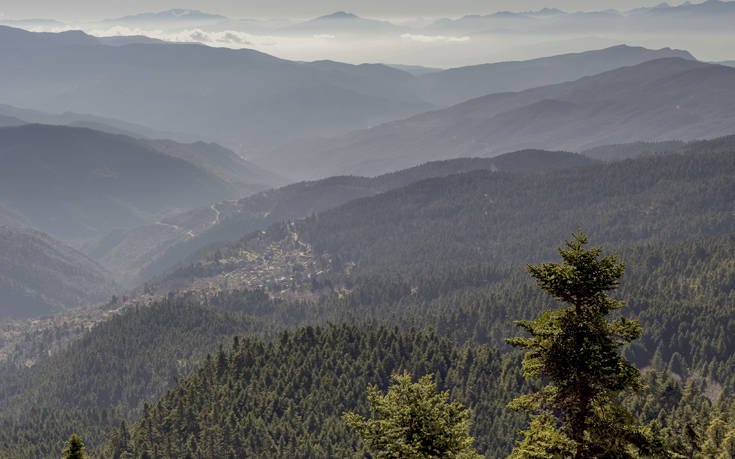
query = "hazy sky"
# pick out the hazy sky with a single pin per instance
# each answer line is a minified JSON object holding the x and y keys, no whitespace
{"x":409,"y":48}
{"x":76,"y":10}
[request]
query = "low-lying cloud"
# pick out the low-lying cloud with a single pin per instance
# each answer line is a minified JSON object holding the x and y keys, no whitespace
{"x":434,"y":38}
{"x":227,"y":38}
{"x":443,"y":49}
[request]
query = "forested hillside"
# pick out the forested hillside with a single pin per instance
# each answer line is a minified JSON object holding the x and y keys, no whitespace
{"x":501,"y":218}
{"x":632,"y":150}
{"x":285,"y":398}
{"x":391,"y":258}
{"x":138,"y":254}
{"x":107,"y":375}
{"x":436,"y":231}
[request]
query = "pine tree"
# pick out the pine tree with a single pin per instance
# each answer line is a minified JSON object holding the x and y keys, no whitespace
{"x":714,"y":437}
{"x":727,"y":450}
{"x":74,"y":448}
{"x":575,"y":350}
{"x":413,"y":420}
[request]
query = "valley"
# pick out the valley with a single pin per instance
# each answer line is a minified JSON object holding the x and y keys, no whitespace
{"x":211,"y":249}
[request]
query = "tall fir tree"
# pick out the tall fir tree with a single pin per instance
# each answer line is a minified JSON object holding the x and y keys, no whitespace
{"x":575,"y":351}
{"x":74,"y":448}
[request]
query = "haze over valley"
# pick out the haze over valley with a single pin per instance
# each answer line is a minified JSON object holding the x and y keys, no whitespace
{"x":299,"y":230}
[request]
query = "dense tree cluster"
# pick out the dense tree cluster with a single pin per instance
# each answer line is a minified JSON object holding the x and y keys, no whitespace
{"x":285,"y":398}
{"x":107,"y":375}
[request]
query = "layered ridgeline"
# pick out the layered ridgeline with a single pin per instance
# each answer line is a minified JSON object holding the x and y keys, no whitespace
{"x":636,"y":149}
{"x":40,"y":275}
{"x":459,"y":84}
{"x":98,"y":123}
{"x":140,"y":253}
{"x":708,"y":15}
{"x":8,"y":121}
{"x":342,"y":23}
{"x":679,"y":283}
{"x":493,"y":217}
{"x":665,"y":99}
{"x":242,"y":98}
{"x":252,"y":101}
{"x":76,"y":183}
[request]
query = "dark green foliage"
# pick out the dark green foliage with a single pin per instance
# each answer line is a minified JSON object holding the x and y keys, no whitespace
{"x":304,"y":199}
{"x":482,"y":217}
{"x":285,"y":398}
{"x":107,"y":375}
{"x":446,"y":254}
{"x":74,"y":448}
{"x":575,"y":350}
{"x":680,"y":292}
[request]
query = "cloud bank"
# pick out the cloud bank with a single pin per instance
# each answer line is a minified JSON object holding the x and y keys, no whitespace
{"x":434,"y":38}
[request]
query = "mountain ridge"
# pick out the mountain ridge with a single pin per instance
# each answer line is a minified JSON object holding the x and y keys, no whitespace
{"x":149,"y":250}
{"x":367,"y":236}
{"x":39,"y":275}
{"x":285,"y":101}
{"x":663,"y":99}
{"x":103,"y":180}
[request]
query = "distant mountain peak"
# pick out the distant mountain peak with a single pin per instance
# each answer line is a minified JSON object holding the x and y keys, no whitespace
{"x":541,"y":12}
{"x":339,"y":15}
{"x":174,"y":14}
{"x":178,"y":12}
{"x":343,"y":21}
{"x":707,"y":6}
{"x":547,"y":12}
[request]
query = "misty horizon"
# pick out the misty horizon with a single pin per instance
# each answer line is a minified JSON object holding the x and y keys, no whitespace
{"x":426,"y":38}
{"x":89,"y":11}
{"x":233,"y":229}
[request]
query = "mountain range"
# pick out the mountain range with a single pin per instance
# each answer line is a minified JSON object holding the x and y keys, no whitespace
{"x":217,"y":253}
{"x":664,"y":99}
{"x":429,"y":222}
{"x":138,"y":254}
{"x":242,"y":98}
{"x":457,"y":85}
{"x":249,"y":101}
{"x":473,"y":232}
{"x":341,"y":22}
{"x":177,"y":17}
{"x":710,"y":14}
{"x":443,"y":246}
{"x":16,"y":116}
{"x":76,"y":183}
{"x":40,"y":275}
